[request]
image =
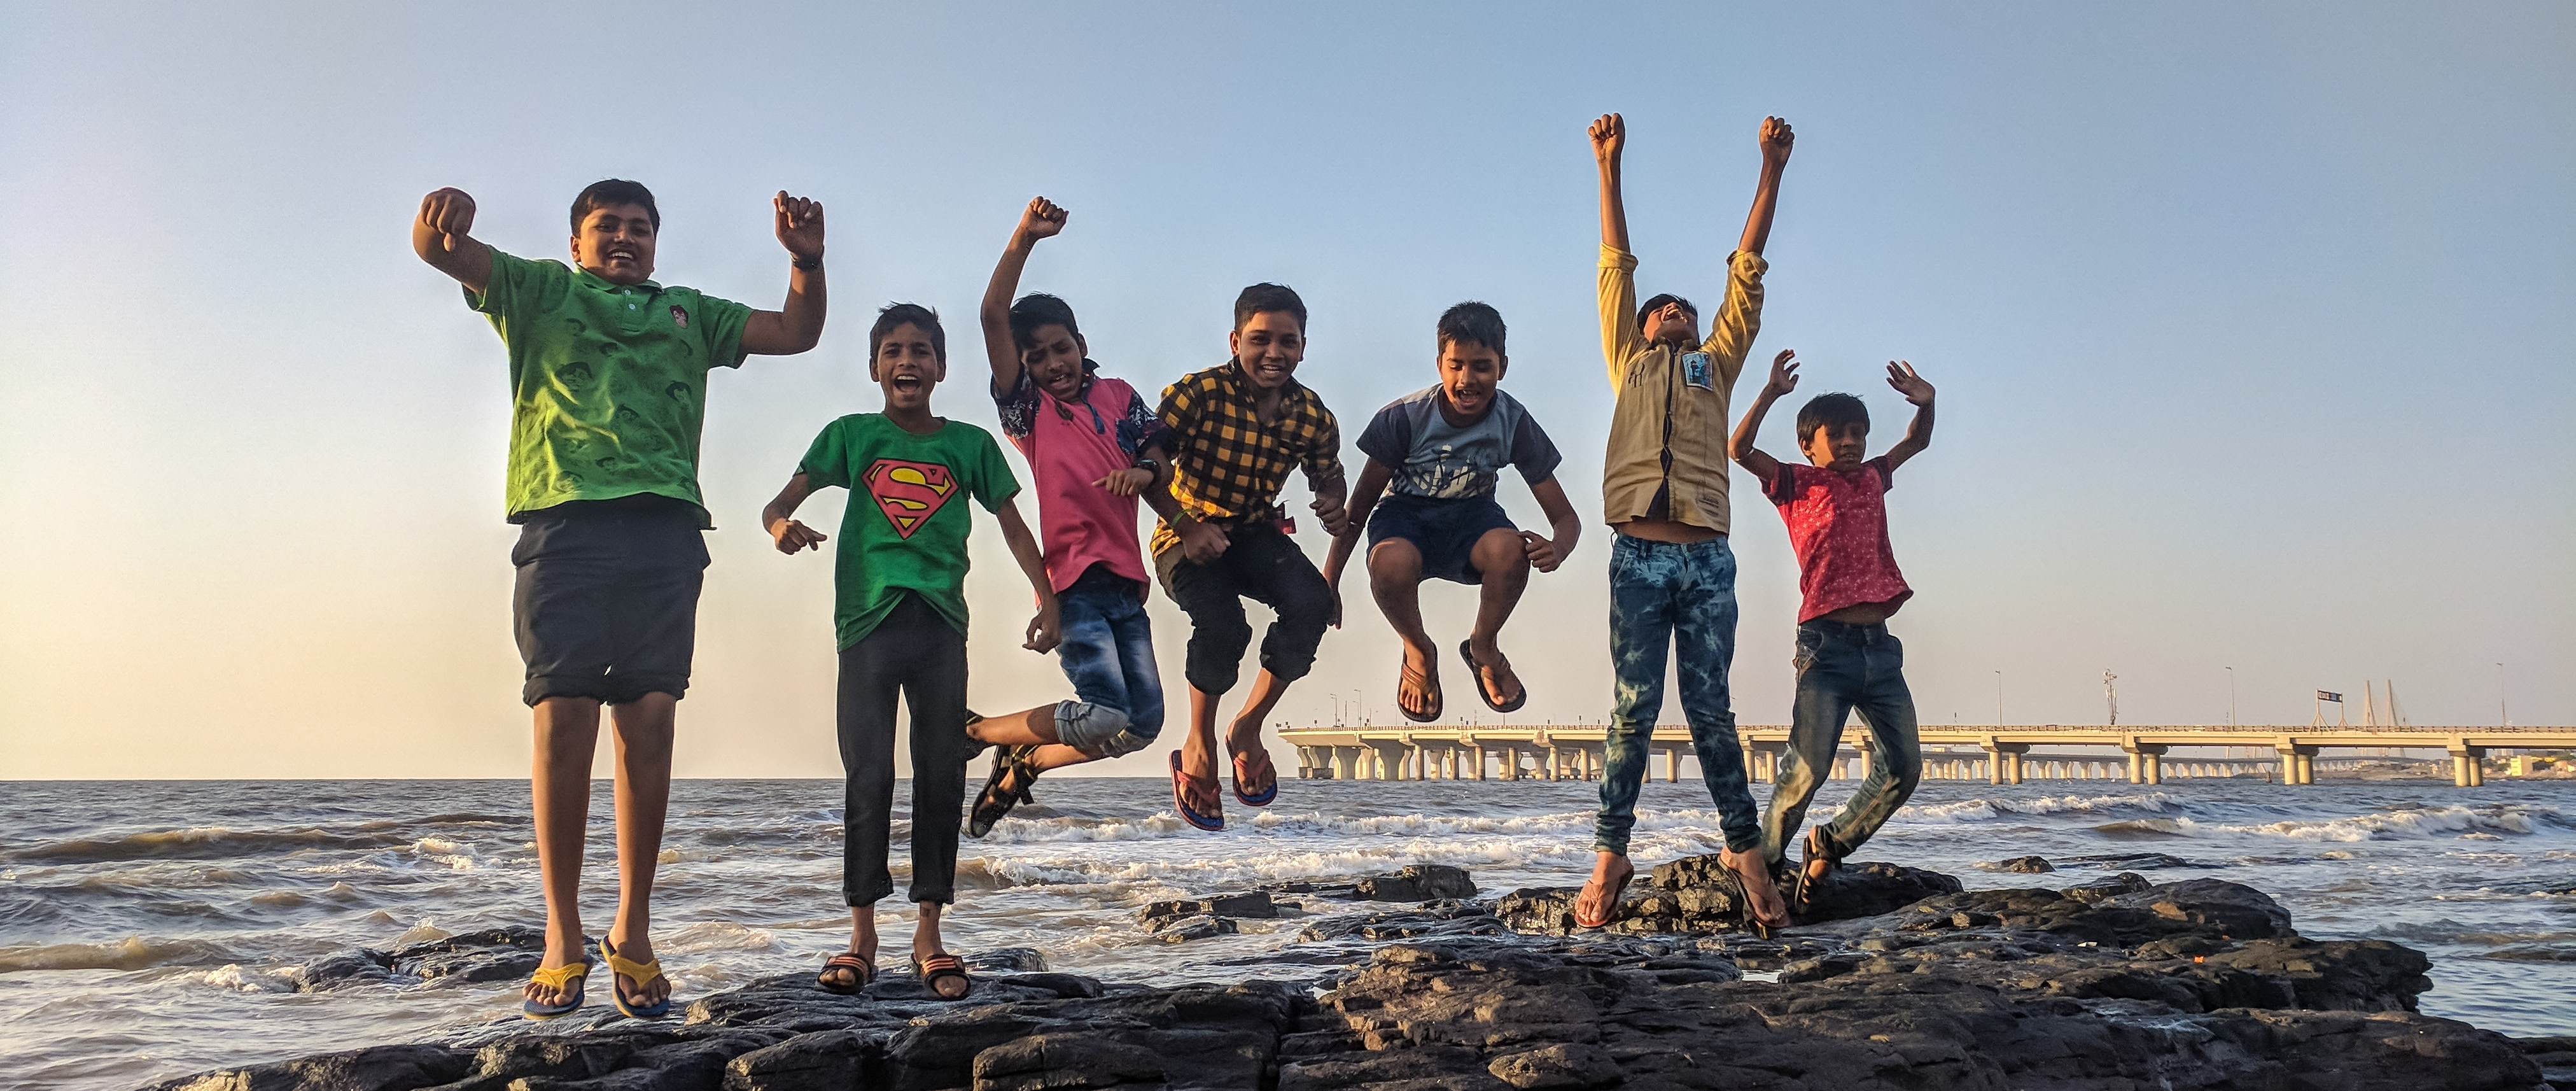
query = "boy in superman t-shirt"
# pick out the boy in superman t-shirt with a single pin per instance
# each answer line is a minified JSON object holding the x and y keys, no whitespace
{"x":899,"y":594}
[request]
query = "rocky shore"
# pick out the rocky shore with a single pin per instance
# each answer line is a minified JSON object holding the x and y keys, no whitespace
{"x":1900,"y":980}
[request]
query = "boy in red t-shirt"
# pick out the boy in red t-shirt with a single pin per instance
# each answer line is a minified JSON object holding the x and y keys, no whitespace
{"x":1836,"y":510}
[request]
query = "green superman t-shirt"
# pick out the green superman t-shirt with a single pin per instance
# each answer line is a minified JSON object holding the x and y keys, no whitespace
{"x":904,"y":530}
{"x":608,"y":381}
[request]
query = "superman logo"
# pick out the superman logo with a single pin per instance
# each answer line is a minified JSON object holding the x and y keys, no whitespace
{"x":908,"y":492}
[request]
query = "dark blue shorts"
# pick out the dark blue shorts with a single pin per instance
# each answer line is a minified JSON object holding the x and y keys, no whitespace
{"x":606,"y":605}
{"x":1444,"y":531}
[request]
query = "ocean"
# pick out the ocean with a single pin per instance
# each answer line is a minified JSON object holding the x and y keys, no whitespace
{"x":145,"y":927}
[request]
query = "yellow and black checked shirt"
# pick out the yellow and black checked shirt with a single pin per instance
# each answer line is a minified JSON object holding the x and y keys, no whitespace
{"x":1227,"y":466}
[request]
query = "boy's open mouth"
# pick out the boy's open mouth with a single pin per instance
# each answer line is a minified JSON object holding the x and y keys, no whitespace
{"x":906,"y":383}
{"x":616,"y":252}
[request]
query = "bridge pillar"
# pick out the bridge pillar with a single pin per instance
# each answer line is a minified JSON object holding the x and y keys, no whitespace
{"x":2468,"y":764}
{"x":2146,"y":761}
{"x":1344,"y":758}
{"x":2004,"y":760}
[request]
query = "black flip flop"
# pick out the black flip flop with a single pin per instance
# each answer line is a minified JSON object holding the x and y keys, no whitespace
{"x":861,"y":970}
{"x":992,"y":803}
{"x":938,"y":968}
{"x":1476,"y":673}
{"x":1808,"y":853}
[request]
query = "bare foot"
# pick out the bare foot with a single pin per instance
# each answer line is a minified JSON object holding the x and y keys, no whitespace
{"x":1495,"y":680}
{"x":557,"y":955}
{"x":1755,"y":873}
{"x":1198,"y":780}
{"x":1253,"y":773}
{"x":1599,"y":901}
{"x":1417,"y":692}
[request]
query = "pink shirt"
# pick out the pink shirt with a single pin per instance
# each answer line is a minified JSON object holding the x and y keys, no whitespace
{"x":1838,"y":528}
{"x":1069,"y":445}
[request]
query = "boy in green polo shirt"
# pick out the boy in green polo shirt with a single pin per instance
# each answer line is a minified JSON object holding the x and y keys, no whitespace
{"x":899,"y":594}
{"x":608,"y":377}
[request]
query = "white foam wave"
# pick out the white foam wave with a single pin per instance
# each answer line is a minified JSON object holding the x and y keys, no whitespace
{"x":1984,"y":810}
{"x":2451,"y":821}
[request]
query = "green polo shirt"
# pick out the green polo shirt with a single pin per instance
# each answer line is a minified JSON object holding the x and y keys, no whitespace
{"x":608,"y":381}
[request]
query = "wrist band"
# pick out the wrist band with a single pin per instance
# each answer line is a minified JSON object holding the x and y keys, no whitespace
{"x":801,"y":263}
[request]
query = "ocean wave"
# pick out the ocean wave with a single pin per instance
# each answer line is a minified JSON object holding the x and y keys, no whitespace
{"x":2425,"y":822}
{"x":1981,"y":809}
{"x":130,"y":953}
{"x":232,"y":978}
{"x":198,"y":843}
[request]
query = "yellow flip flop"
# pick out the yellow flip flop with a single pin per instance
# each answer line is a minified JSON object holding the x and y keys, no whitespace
{"x":642,"y":972}
{"x":567,"y":978}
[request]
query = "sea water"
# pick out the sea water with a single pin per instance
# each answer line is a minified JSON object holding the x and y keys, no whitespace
{"x":145,"y":928}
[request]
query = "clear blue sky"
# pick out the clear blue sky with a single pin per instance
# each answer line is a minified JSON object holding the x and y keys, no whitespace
{"x":2251,"y":327}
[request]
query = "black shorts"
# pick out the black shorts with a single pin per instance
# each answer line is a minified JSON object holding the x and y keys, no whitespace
{"x":1443,"y":531}
{"x":606,"y":605}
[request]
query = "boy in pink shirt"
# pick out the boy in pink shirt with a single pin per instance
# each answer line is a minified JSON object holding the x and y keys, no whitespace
{"x":1093,"y":444}
{"x":1836,"y":512}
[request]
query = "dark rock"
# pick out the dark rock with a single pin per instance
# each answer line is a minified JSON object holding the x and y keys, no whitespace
{"x":2556,"y":1057}
{"x":1417,"y":883}
{"x":831,"y":1060}
{"x":343,"y":969}
{"x":1699,"y":894}
{"x":2023,"y":865}
{"x":494,"y":954}
{"x":376,"y":1068}
{"x":1256,"y":905}
{"x":2101,"y":890}
{"x":1185,"y":929}
{"x":1556,"y":1066}
{"x":1026,"y":960}
{"x":2125,"y":861}
{"x":2192,"y":986}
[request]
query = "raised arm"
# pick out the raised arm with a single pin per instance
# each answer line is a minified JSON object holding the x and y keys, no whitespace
{"x":779,"y":518}
{"x":798,"y":325}
{"x":1620,"y":339}
{"x":439,"y":236}
{"x":1776,"y":142}
{"x":1918,"y":433}
{"x":1784,"y":378}
{"x":1043,"y":218}
{"x":1046,"y":630}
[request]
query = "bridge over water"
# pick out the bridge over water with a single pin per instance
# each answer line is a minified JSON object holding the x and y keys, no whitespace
{"x":2000,"y":755}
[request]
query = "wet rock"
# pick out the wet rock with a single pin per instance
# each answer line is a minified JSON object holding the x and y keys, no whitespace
{"x":2131,"y":861}
{"x":2022,"y":865}
{"x":1417,"y":883}
{"x":1699,"y":894}
{"x":342,"y":969}
{"x":2101,"y":890}
{"x":1256,"y":905}
{"x":1185,"y":929}
{"x":494,"y":954}
{"x":2556,"y":1058}
{"x":2191,"y":986}
{"x":1026,"y":960}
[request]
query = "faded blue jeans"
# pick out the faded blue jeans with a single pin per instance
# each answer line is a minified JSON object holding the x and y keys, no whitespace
{"x":1108,"y":655}
{"x":1660,"y":591}
{"x":1843,"y":668}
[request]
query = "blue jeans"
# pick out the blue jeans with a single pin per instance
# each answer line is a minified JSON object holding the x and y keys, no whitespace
{"x":1108,"y":654}
{"x":1842,"y":668}
{"x":1659,"y":591}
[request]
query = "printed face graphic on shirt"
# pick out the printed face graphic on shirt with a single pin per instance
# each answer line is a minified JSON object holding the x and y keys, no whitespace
{"x":679,"y":316}
{"x":908,"y":492}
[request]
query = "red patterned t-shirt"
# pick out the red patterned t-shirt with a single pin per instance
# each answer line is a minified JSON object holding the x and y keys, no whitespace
{"x":1838,"y":528}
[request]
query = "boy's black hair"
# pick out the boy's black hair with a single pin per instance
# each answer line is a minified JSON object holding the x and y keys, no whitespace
{"x":1266,"y":298}
{"x":1656,"y":304}
{"x":1472,"y":323}
{"x":613,"y":191}
{"x":1828,"y":409}
{"x":899,"y":314}
{"x":1038,"y":309}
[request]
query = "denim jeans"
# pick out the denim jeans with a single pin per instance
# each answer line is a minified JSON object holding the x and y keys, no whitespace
{"x":1842,"y":668}
{"x":1108,"y":654}
{"x":1660,"y":591}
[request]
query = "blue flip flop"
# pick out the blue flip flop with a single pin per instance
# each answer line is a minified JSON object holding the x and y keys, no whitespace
{"x":1181,"y":804}
{"x":569,"y":977}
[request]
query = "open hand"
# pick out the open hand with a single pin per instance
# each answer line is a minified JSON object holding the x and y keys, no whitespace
{"x":1901,"y":376}
{"x":1541,"y":550}
{"x":1045,"y":630}
{"x":1784,"y":374}
{"x":791,"y":535}
{"x":800,"y":225}
{"x":1609,"y":137}
{"x":1776,"y":140}
{"x":1127,"y":482}
{"x":449,"y":212}
{"x":1330,"y":512}
{"x":1042,"y":220}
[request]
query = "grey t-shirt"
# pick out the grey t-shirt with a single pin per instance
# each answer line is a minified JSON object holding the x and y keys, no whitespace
{"x":1435,"y":459}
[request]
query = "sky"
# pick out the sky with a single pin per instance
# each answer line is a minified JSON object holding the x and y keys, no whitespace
{"x":2250,"y":325}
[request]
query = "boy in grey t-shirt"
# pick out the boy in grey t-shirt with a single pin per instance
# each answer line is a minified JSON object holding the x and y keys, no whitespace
{"x":1437,"y":454}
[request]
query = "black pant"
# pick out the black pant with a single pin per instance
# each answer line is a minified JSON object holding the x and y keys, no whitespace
{"x":920,"y":653}
{"x":1262,"y":565}
{"x":606,"y":605}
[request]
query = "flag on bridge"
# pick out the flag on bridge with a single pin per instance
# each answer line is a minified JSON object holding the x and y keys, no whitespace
{"x":2325,"y":696}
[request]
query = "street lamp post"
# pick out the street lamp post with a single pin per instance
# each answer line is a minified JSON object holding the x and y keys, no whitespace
{"x":1999,"y":698}
{"x":2231,"y":696}
{"x":2504,"y":714}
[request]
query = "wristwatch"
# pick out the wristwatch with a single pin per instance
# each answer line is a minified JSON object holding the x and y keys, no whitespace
{"x":802,"y":263}
{"x":1147,"y":463}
